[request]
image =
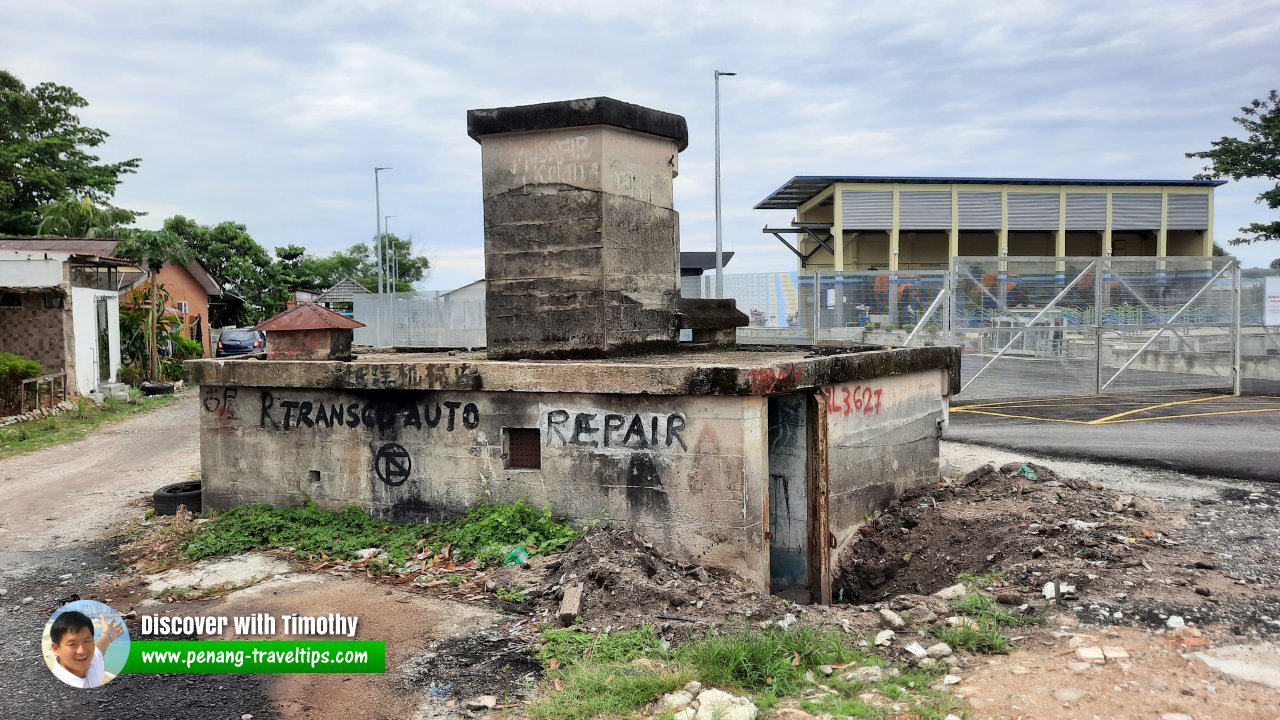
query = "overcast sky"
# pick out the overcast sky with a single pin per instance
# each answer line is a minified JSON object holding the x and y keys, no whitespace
{"x":274,"y":114}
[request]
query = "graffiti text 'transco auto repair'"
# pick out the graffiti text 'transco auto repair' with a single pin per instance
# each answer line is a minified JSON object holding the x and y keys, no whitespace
{"x":291,"y":413}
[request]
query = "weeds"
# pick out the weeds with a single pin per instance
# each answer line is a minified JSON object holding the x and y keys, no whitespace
{"x":71,"y":426}
{"x":986,"y":634}
{"x":985,"y":579}
{"x":592,"y":675}
{"x":609,"y":689}
{"x":986,"y":610}
{"x":569,"y":646}
{"x":513,"y":595}
{"x":486,"y":533}
{"x":770,"y":662}
{"x":981,"y":639}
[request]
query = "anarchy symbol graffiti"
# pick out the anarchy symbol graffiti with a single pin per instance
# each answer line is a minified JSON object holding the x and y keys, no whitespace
{"x":392,"y":464}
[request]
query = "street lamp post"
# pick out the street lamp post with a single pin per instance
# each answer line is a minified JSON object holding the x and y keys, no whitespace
{"x":393,"y":266}
{"x":377,"y":201}
{"x":719,"y":242}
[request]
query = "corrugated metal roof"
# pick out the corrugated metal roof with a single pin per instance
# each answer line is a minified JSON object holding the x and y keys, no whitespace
{"x":343,"y":292}
{"x":75,"y":246}
{"x":307,"y":316}
{"x":800,"y":189}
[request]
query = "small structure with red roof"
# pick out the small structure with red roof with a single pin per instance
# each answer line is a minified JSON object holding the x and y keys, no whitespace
{"x":309,"y":332}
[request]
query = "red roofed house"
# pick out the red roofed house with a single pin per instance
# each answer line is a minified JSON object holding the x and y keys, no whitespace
{"x":309,"y":332}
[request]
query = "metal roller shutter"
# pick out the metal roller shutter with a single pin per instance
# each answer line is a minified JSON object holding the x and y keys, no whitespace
{"x":867,"y":210}
{"x":1188,"y":212}
{"x":1135,"y":211}
{"x":1033,"y":211}
{"x":924,"y":210}
{"x":1086,"y":211}
{"x":979,"y":210}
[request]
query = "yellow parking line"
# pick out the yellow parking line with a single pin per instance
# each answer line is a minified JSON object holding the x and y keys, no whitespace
{"x":1109,"y":418}
{"x":1018,"y":417}
{"x":1023,"y":400}
{"x":1203,"y":414}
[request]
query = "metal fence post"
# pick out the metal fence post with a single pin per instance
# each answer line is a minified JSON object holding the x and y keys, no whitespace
{"x":817,"y":293}
{"x":1097,"y":328}
{"x":1235,"y":329}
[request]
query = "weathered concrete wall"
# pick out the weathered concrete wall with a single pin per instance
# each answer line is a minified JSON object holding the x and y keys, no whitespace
{"x":741,"y":372}
{"x":1213,"y":364}
{"x":882,"y":439}
{"x":581,"y":238}
{"x":688,"y":472}
{"x":326,"y":344}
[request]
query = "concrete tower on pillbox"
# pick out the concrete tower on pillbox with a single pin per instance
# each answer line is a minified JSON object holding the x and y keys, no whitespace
{"x":582,"y":241}
{"x":309,"y":332}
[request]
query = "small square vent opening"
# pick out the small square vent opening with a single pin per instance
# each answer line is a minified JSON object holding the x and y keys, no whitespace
{"x":524,"y":448}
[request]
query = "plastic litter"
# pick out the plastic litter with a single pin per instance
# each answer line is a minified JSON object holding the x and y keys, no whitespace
{"x":518,"y":554}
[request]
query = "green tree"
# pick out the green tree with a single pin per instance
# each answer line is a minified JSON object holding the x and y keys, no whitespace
{"x":45,"y":153}
{"x":240,"y":263}
{"x":1275,"y":264}
{"x":83,"y":218}
{"x":1255,"y":156}
{"x":154,"y":248}
{"x":358,"y":262}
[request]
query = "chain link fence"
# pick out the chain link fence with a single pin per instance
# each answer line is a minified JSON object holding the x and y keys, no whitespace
{"x":1031,"y":326}
{"x":1036,"y":327}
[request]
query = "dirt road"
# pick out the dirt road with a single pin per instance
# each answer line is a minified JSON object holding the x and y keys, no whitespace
{"x":76,"y":492}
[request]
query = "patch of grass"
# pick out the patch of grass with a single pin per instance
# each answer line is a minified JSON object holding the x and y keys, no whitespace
{"x":985,"y":579}
{"x":510,"y":594}
{"x":985,"y":609}
{"x":72,"y":426}
{"x":982,"y":639}
{"x":485,"y":533}
{"x":771,"y":661}
{"x":595,"y":680}
{"x":177,"y":592}
{"x":608,"y":689}
{"x":569,"y":646}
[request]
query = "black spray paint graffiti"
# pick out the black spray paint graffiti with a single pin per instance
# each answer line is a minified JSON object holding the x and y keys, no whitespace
{"x":392,"y":464}
{"x":613,"y":430}
{"x":282,"y":414}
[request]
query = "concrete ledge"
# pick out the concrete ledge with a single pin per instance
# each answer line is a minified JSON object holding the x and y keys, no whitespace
{"x":578,"y":113}
{"x":728,"y":373}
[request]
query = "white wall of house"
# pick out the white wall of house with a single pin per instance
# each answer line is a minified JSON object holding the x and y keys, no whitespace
{"x":21,"y":269}
{"x":85,"y":331}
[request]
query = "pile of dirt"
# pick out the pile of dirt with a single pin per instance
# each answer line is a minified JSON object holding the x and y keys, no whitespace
{"x":628,"y":582}
{"x":1020,"y":519}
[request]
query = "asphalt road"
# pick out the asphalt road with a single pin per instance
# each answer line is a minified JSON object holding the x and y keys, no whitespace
{"x":1189,"y":432}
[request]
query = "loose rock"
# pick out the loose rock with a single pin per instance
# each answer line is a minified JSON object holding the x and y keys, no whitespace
{"x":955,"y":592}
{"x":1091,"y":654}
{"x":892,"y":620}
{"x":884,"y":638}
{"x":570,"y":605}
{"x":719,"y":705}
{"x":938,"y":650}
{"x":482,"y":702}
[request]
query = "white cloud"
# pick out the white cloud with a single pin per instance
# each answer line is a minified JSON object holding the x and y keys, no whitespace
{"x":275,"y":114}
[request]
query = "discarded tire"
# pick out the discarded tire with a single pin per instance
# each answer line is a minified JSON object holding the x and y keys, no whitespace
{"x":168,"y":498}
{"x":149,"y":388}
